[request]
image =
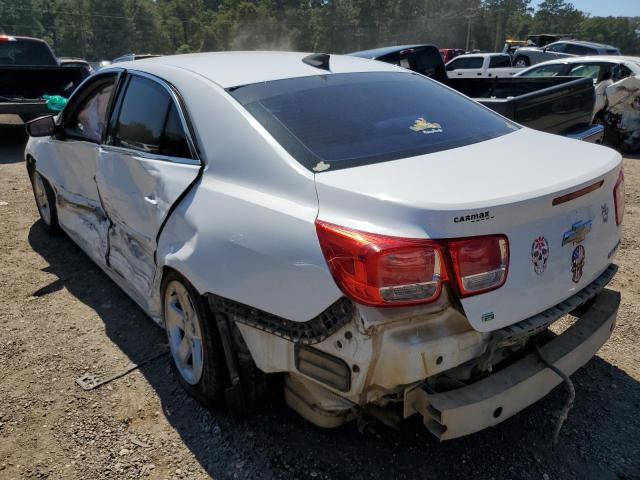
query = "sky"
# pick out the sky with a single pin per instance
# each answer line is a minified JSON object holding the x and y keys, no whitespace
{"x":605,"y":8}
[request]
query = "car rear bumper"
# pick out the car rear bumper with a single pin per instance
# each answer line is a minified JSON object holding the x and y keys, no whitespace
{"x":499,"y":396}
{"x":592,"y":134}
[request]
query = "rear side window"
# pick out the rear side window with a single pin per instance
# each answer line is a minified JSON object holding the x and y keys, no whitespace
{"x":502,"y":61}
{"x":343,"y":120}
{"x":26,"y":53}
{"x":149,"y":121}
{"x":580,"y":50}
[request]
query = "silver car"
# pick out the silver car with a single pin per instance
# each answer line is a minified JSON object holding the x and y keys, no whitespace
{"x":566,"y":48}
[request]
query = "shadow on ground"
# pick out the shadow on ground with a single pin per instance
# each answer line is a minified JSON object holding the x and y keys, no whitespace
{"x":599,"y":441}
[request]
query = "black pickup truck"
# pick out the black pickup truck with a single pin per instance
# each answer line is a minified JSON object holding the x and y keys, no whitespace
{"x":562,"y":105}
{"x":29,"y":70}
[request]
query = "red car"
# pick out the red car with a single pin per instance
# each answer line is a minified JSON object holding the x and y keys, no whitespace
{"x":450,"y":53}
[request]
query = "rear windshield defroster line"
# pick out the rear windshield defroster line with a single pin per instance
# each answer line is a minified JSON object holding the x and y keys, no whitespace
{"x":334,"y":121}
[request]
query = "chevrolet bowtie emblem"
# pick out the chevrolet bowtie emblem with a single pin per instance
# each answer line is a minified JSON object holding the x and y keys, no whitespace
{"x":577,"y":234}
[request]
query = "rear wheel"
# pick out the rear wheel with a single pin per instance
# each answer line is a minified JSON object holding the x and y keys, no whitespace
{"x":194,"y":342}
{"x":198,"y":355}
{"x":521,"y":62}
{"x":46,"y":202}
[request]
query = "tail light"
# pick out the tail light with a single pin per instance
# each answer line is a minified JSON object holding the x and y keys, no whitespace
{"x":480,"y":263}
{"x":618,"y":198}
{"x":381,"y":270}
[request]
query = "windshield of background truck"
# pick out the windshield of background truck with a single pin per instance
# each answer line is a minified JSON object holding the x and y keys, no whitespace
{"x":349,"y":119}
{"x":26,"y":53}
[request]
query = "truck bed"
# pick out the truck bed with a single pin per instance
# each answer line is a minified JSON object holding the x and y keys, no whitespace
{"x":22,"y":88}
{"x":555,"y":104}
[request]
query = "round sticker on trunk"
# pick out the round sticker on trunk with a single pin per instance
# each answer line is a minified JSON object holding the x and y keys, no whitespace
{"x":577,"y":263}
{"x":540,"y":254}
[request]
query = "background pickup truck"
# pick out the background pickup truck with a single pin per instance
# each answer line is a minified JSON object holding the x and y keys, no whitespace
{"x":562,"y":105}
{"x":28,"y":70}
{"x":481,"y":65}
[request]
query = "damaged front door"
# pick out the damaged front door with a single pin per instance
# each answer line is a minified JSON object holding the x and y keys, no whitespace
{"x":147,"y":163}
{"x":76,"y":157}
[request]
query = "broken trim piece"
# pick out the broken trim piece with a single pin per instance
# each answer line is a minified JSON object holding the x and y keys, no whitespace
{"x":308,"y":333}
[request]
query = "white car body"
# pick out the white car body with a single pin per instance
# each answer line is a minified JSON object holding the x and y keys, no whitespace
{"x":571,"y":66}
{"x":238,"y":220}
{"x":481,"y":65}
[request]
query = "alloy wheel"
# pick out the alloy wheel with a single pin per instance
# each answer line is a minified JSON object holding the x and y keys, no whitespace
{"x":183,"y":331}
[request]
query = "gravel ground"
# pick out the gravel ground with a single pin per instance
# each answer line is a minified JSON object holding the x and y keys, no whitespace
{"x":62,"y":317}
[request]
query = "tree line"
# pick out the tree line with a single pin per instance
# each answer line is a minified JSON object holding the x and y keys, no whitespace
{"x":105,"y":29}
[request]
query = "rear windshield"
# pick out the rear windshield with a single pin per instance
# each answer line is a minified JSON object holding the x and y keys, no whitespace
{"x":26,"y":53}
{"x":343,"y":120}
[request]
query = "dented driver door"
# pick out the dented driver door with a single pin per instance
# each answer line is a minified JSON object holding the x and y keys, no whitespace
{"x":71,"y":168}
{"x":148,"y":162}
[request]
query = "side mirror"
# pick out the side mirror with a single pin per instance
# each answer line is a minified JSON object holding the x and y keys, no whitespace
{"x":42,"y":127}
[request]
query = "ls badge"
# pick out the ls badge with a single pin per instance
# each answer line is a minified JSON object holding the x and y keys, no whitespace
{"x":577,"y":234}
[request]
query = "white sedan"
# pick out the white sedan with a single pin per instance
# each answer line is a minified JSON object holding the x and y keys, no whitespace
{"x":617,"y":83}
{"x":357,"y":227}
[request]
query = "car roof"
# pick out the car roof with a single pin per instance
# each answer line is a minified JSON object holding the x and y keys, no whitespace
{"x":382,"y":51}
{"x":593,"y":58}
{"x":482,"y":55}
{"x":232,"y":69}
{"x":584,"y":43}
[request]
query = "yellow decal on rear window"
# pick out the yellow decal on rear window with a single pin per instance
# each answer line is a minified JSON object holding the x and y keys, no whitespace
{"x":422,"y":126}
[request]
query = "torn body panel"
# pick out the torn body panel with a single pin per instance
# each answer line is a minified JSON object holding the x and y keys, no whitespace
{"x":71,"y":172}
{"x":623,"y":111}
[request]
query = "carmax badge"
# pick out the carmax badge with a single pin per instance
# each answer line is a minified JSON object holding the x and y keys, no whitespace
{"x":577,"y":234}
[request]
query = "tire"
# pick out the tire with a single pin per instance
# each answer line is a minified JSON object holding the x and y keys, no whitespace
{"x":610,"y":137}
{"x":202,"y":371}
{"x":521,"y":62}
{"x":46,"y":202}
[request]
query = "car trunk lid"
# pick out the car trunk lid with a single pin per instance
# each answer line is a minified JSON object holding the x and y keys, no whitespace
{"x":514,"y":185}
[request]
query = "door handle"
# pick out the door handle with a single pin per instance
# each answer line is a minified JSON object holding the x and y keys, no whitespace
{"x":151,"y":199}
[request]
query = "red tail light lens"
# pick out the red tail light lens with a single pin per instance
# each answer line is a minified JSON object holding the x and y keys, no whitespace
{"x":618,"y":198}
{"x":480,"y":263}
{"x":380,"y":270}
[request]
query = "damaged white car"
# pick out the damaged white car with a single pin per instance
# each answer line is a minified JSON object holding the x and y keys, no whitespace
{"x":617,"y":84}
{"x":359,"y":228}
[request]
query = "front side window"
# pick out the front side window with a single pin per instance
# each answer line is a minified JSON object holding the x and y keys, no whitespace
{"x":457,"y":63}
{"x":149,"y":121}
{"x":88,"y":120}
{"x":343,"y":120}
{"x":545,"y":71}
{"x":557,"y":47}
{"x":585,"y":70}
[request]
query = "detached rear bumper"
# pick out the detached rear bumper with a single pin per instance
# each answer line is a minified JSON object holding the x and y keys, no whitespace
{"x":592,"y":134}
{"x":495,"y":398}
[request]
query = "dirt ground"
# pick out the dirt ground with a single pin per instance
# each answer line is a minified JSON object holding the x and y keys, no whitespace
{"x":60,"y":317}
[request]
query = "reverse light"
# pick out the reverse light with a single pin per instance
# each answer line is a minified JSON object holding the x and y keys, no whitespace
{"x":7,"y":38}
{"x":618,"y":197}
{"x":381,"y":270}
{"x":480,"y":263}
